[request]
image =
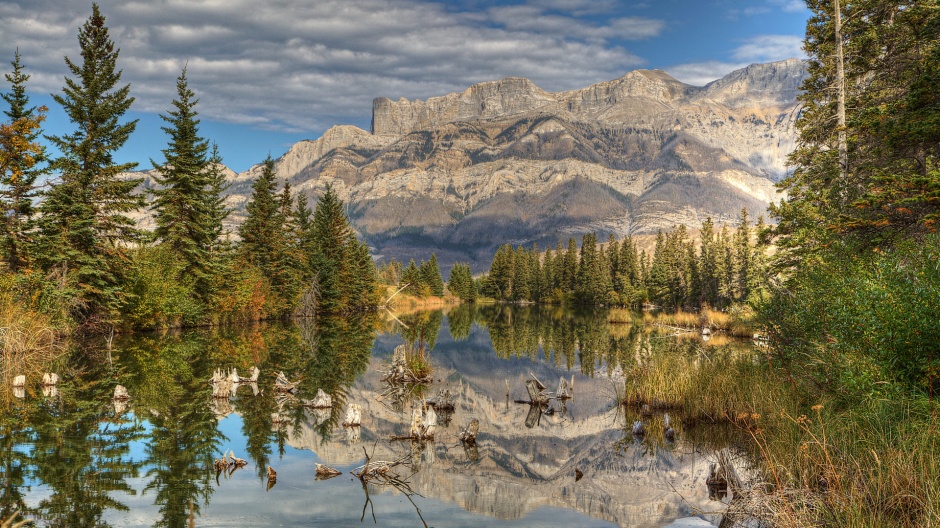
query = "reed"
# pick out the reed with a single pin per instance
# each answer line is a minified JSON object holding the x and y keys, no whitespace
{"x":28,"y":339}
{"x":737,"y":321}
{"x":824,"y":462}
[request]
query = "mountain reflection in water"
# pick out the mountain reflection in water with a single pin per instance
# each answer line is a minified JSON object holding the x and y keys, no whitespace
{"x":79,"y":459}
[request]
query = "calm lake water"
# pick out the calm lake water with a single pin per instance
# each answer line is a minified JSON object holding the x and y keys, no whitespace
{"x":73,"y":457}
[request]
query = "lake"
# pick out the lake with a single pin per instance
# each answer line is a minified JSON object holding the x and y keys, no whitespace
{"x":71,"y":456}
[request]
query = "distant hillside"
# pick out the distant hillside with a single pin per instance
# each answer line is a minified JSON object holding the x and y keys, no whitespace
{"x":506,"y":161}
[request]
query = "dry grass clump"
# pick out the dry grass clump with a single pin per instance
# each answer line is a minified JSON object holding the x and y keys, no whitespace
{"x":28,"y":339}
{"x":737,"y":321}
{"x":876,"y":465}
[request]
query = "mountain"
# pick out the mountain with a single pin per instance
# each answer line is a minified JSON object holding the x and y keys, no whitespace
{"x":506,"y":161}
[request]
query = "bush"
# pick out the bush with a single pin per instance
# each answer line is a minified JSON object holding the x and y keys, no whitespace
{"x":864,"y":320}
{"x":160,"y":294}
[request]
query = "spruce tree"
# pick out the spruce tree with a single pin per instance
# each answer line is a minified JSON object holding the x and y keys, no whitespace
{"x":85,"y":229}
{"x":215,"y":210}
{"x":344,"y":272}
{"x":184,"y":216}
{"x":22,"y":161}
{"x":431,"y":276}
{"x":263,"y":223}
{"x":411,"y":278}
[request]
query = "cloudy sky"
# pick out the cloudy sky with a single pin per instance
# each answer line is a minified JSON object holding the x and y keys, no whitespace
{"x":272,"y":73}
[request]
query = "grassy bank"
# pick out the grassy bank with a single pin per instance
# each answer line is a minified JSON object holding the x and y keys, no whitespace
{"x":737,"y":321}
{"x":824,"y":463}
{"x":29,"y":339}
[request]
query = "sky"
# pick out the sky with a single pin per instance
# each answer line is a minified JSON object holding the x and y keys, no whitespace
{"x":269,"y":74}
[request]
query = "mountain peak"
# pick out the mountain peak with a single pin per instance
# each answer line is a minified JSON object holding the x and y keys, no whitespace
{"x":771,"y":84}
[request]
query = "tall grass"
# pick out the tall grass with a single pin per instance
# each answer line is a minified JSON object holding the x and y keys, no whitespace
{"x":28,"y":339}
{"x":824,"y":463}
{"x":738,"y":321}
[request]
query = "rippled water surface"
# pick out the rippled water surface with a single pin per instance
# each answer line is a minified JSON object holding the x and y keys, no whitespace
{"x":73,"y":457}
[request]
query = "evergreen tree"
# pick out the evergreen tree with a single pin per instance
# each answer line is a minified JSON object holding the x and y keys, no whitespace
{"x":213,"y":197}
{"x":743,"y":261}
{"x":431,"y":276}
{"x":411,"y":276}
{"x":521,"y":274}
{"x":461,"y":283}
{"x":499,"y":282}
{"x":85,"y":230}
{"x":184,"y":218}
{"x":569,"y":273}
{"x":263,"y":223}
{"x":22,"y":161}
{"x":344,"y":276}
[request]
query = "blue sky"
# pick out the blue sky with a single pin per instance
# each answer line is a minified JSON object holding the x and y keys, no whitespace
{"x":268,"y":75}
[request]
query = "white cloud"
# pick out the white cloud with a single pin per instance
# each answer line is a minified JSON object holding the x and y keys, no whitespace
{"x":301,"y":65}
{"x":790,"y":6}
{"x":767,"y":48}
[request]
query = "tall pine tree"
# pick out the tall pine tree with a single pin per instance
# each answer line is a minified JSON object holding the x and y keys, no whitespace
{"x":182,"y":211}
{"x":85,"y":227}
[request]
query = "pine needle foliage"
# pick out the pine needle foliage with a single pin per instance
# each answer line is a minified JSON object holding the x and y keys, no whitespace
{"x":85,"y":227}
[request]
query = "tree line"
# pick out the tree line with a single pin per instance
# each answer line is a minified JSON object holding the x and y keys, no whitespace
{"x":70,"y":247}
{"x":723,"y":266}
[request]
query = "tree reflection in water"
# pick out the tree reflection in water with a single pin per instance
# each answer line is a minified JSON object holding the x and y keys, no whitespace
{"x":75,"y":460}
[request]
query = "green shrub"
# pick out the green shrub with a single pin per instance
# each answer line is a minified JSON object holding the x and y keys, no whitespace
{"x":863,"y":321}
{"x":160,"y":294}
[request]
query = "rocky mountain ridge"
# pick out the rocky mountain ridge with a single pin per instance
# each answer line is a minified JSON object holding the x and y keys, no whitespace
{"x":505,"y":161}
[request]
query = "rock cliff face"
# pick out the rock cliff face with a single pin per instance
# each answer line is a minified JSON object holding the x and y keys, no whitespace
{"x":506,"y":161}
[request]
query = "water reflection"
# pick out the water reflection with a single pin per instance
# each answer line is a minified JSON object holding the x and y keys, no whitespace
{"x":74,"y":459}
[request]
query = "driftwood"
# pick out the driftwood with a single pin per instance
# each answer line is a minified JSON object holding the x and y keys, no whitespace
{"x":19,"y":381}
{"x":50,"y":379}
{"x":322,"y":401}
{"x":233,"y":377}
{"x":423,"y":423}
{"x":469,"y":434}
{"x":222,"y":389}
{"x":668,"y":432}
{"x":639,"y":429}
{"x":228,"y":464}
{"x":399,"y":373}
{"x":443,"y":402}
{"x":353,"y":416}
{"x":385,"y":474}
{"x":535,"y":389}
{"x":272,"y":478}
{"x":281,"y":383}
{"x":120,"y":393}
{"x":326,"y":472}
{"x":50,"y":391}
{"x":538,"y":393}
{"x":11,"y":522}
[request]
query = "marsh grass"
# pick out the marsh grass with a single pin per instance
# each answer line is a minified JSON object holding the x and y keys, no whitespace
{"x":871,"y":463}
{"x":876,"y":464}
{"x":737,"y":321}
{"x":708,"y":383}
{"x":418,"y":360}
{"x":28,"y":340}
